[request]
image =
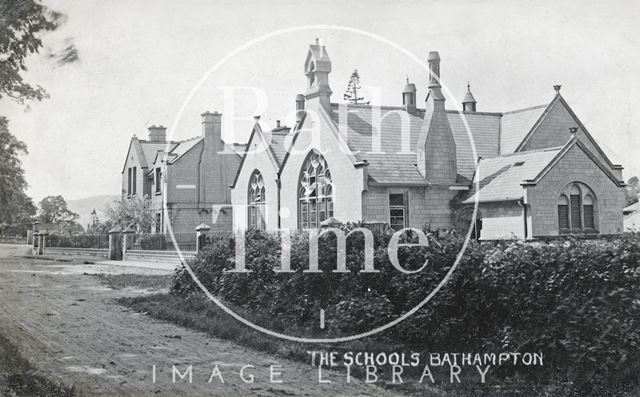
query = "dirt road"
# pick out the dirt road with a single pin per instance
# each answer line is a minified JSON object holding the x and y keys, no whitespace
{"x":68,"y":326}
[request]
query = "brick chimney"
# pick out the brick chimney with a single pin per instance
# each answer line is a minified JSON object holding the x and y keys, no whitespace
{"x":212,"y":131}
{"x":436,"y":151}
{"x":157,"y":133}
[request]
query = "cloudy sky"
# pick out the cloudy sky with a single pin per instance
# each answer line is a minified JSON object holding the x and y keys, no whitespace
{"x":141,"y":64}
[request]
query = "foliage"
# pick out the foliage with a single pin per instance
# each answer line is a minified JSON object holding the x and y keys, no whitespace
{"x":23,"y":23}
{"x":131,"y":213}
{"x":16,"y":208}
{"x":576,"y":301}
{"x":353,"y":89}
{"x":54,"y":213}
{"x":633,"y":190}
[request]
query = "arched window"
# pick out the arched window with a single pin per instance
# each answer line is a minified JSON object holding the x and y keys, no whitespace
{"x":315,"y":193}
{"x":577,"y":209}
{"x":256,"y":200}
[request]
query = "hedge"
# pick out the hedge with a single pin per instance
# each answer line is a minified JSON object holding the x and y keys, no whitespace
{"x":576,"y":301}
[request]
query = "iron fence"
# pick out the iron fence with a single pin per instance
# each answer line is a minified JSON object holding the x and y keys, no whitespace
{"x":99,"y":241}
{"x":163,"y":242}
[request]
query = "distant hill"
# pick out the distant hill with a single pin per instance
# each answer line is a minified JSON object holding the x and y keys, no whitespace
{"x":85,"y":206}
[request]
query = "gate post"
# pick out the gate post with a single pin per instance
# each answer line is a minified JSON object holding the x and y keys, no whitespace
{"x":127,"y":241}
{"x":201,"y":236}
{"x":115,"y":244}
{"x":42,"y":243}
{"x":34,"y":243}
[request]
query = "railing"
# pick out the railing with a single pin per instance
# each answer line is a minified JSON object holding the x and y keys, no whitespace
{"x":98,"y":241}
{"x":12,"y":240}
{"x":162,"y":242}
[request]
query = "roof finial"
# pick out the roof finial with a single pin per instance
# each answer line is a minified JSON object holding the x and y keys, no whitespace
{"x":407,"y":79}
{"x":573,"y":130}
{"x":557,"y":88}
{"x":317,"y":41}
{"x":468,"y":86}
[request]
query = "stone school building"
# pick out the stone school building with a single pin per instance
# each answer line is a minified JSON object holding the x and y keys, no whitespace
{"x":534,"y":172}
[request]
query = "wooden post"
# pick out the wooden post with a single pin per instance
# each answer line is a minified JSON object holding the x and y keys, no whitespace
{"x":201,"y":236}
{"x":115,"y":244}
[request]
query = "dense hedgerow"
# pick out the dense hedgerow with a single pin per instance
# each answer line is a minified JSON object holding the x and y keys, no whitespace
{"x":576,"y":301}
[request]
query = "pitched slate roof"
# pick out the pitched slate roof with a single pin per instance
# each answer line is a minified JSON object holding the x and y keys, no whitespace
{"x":632,"y":208}
{"x":183,"y":147}
{"x":516,"y":125}
{"x":279,"y":143}
{"x":500,"y":178}
{"x":396,"y":167}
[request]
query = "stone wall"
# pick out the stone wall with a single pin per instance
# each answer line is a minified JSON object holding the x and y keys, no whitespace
{"x":575,"y":166}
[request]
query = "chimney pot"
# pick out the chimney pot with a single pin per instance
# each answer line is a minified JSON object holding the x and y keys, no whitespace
{"x":277,"y":123}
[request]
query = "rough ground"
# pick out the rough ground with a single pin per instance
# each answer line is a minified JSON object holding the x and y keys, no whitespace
{"x":68,"y":326}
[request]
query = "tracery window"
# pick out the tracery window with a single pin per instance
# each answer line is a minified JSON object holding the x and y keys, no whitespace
{"x":315,"y":193}
{"x":256,"y":201}
{"x":577,"y":209}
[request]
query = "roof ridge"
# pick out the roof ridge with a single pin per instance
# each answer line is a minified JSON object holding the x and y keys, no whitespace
{"x":525,"y":109}
{"x":453,"y":111}
{"x":547,"y":149}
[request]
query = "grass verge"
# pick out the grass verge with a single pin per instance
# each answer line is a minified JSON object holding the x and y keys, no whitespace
{"x":137,"y":281}
{"x":19,"y":378}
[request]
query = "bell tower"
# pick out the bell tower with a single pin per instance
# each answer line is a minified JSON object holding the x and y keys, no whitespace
{"x":317,"y":68}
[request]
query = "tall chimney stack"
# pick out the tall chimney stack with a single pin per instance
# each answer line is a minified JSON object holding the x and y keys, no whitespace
{"x":157,"y":133}
{"x":212,"y":130}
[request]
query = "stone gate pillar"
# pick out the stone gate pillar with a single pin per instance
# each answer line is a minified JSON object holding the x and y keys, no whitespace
{"x":127,"y":241}
{"x":42,"y":237}
{"x":34,"y":243}
{"x":115,"y":244}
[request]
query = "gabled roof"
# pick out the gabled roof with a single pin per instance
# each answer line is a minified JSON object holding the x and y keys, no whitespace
{"x":398,"y":166}
{"x":183,"y":147}
{"x":500,"y":178}
{"x":146,"y":151}
{"x":503,"y":178}
{"x":516,"y":125}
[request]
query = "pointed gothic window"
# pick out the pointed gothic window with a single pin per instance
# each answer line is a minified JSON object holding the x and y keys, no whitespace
{"x":256,"y":201}
{"x":577,"y":209}
{"x":315,"y":193}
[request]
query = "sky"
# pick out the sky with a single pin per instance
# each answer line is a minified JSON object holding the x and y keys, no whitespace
{"x":151,"y":62}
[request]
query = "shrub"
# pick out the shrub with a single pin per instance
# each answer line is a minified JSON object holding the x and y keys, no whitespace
{"x":576,"y":301}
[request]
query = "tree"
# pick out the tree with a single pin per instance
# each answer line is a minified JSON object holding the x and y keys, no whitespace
{"x":16,"y":208}
{"x":22,"y":23}
{"x":134,"y":213}
{"x":353,"y":88}
{"x":55,"y":213}
{"x":633,"y":189}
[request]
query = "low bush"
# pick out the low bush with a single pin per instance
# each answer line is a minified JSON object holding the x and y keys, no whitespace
{"x":576,"y":301}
